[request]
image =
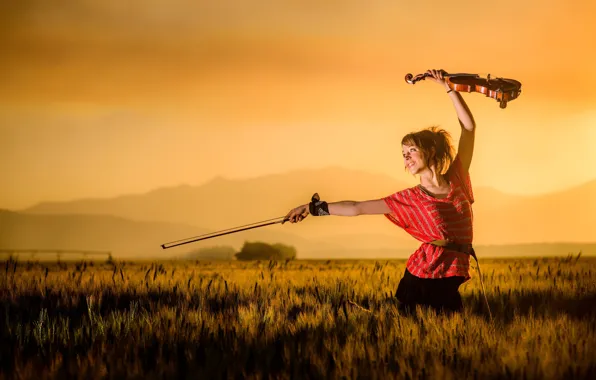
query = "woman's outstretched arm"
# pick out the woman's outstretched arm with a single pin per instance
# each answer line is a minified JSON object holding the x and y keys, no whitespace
{"x":352,"y":208}
{"x":342,"y":208}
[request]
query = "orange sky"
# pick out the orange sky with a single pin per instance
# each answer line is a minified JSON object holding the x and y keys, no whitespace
{"x":104,"y":98}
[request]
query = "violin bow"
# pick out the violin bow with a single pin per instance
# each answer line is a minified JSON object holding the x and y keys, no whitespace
{"x":210,"y":235}
{"x":232,"y":230}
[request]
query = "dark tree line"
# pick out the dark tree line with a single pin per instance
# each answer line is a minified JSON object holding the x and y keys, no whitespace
{"x":249,"y":251}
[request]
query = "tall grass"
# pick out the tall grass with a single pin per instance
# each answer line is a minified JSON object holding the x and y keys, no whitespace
{"x":294,"y":319}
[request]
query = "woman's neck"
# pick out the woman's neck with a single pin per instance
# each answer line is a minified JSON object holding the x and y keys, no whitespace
{"x":430,"y":179}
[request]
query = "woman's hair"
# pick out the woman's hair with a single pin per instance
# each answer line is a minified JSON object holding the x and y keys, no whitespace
{"x":429,"y":139}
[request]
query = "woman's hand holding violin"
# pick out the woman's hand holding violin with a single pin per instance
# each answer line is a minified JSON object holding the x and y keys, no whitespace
{"x":501,"y":89}
{"x":437,"y":77}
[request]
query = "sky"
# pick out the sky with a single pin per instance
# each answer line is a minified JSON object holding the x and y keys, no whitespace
{"x":111,"y":97}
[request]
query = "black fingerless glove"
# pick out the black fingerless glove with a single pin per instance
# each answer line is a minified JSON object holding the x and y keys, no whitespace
{"x":317,"y":207}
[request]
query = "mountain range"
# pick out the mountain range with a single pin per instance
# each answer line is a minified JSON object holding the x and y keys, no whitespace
{"x":140,"y":223}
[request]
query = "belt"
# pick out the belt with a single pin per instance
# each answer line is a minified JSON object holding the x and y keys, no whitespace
{"x":452,"y":246}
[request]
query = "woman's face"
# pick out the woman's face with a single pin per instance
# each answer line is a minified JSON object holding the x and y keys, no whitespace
{"x":413,"y":158}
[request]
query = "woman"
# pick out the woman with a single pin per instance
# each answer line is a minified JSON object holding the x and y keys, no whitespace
{"x":436,"y":212}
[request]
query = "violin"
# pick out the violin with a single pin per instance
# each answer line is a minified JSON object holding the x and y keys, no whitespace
{"x":502,"y":90}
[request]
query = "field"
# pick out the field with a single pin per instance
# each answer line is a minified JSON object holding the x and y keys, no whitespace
{"x":294,"y":319}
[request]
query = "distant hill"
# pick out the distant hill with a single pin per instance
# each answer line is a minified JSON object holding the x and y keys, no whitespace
{"x":123,"y":237}
{"x":222,"y":203}
{"x":568,"y":215}
{"x":87,"y":232}
{"x":134,"y":240}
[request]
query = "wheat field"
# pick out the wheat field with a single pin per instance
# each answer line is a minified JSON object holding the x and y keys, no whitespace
{"x":292,"y":319}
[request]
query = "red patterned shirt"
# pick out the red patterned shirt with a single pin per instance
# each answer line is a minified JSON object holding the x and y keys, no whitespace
{"x":427,"y":218}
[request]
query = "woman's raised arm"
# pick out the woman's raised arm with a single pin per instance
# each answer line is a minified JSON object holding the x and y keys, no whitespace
{"x":465,"y":149}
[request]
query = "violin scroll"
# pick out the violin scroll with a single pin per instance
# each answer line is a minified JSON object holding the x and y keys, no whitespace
{"x":411,"y":79}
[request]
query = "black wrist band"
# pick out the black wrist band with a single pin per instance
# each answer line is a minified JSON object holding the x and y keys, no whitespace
{"x":449,"y":90}
{"x":318,"y":207}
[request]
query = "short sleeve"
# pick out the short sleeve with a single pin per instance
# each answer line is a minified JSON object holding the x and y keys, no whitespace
{"x":456,"y":171}
{"x":398,"y":209}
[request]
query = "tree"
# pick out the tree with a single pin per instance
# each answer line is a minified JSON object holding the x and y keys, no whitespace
{"x":264,"y":251}
{"x":287,"y":252}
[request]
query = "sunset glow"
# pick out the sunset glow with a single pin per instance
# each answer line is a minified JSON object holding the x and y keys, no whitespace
{"x":102,"y":98}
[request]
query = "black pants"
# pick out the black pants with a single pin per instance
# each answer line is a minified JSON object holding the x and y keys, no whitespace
{"x":440,"y":294}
